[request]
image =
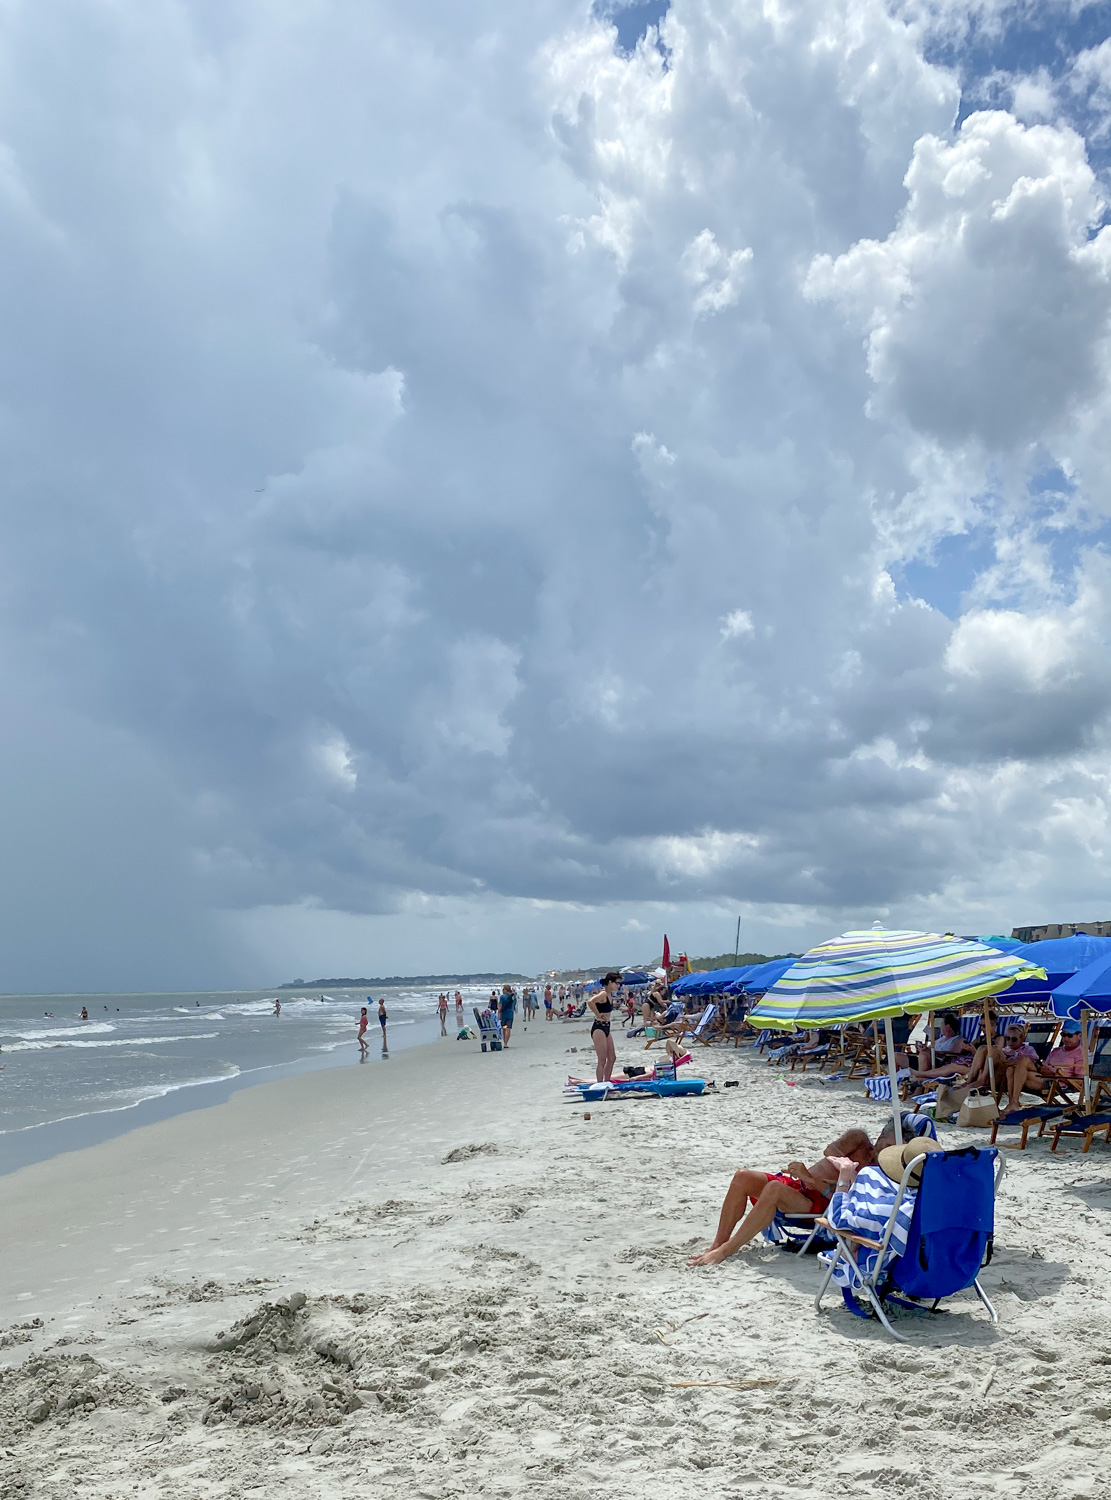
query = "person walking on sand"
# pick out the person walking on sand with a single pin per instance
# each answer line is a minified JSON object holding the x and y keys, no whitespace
{"x":362,"y":1031}
{"x":507,"y":1005}
{"x":442,"y":1008}
{"x":601,"y":1007}
{"x":458,"y":1006}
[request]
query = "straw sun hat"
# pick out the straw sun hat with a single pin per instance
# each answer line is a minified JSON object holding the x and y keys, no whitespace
{"x":895,"y":1159}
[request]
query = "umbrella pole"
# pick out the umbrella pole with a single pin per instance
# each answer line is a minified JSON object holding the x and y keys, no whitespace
{"x":1084,"y":1047}
{"x":891,"y":1071}
{"x":989,"y":1039}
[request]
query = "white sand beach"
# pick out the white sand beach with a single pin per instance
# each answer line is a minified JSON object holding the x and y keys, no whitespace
{"x":433,"y":1277}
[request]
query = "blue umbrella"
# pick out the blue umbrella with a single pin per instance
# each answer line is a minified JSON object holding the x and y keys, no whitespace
{"x":633,"y":978}
{"x":763,"y":976}
{"x":1063,"y":957}
{"x":1003,"y":944}
{"x":1088,"y":989}
{"x":709,"y":981}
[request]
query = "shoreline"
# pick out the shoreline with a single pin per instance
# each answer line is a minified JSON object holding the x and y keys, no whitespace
{"x":25,"y":1145}
{"x":496,"y":1301}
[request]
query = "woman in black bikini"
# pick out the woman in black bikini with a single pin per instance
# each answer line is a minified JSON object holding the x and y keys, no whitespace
{"x":601,"y":1007}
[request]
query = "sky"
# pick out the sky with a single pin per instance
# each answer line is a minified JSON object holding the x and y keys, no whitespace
{"x":483,"y":486}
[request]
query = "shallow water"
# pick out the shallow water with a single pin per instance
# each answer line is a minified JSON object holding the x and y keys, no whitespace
{"x":67,"y":1082}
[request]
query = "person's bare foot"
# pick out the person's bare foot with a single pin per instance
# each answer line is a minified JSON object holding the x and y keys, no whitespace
{"x":710,"y":1257}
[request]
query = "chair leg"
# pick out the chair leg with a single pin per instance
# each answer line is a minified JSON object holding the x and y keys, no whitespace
{"x":878,"y":1307}
{"x":983,"y":1296}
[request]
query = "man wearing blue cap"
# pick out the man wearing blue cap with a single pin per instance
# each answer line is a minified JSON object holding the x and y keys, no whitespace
{"x":1065,"y":1061}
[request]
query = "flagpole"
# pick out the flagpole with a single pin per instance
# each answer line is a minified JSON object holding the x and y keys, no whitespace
{"x":737,"y":944}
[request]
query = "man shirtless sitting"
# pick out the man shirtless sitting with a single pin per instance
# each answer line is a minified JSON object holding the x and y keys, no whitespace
{"x":798,"y":1190}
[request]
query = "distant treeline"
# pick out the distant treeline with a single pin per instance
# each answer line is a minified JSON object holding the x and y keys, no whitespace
{"x":727,"y":960}
{"x":421,"y":979}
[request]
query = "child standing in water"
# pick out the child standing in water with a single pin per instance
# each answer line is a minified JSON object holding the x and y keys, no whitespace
{"x":362,"y":1031}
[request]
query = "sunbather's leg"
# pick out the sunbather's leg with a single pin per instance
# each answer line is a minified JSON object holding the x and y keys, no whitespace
{"x":978,"y":1076}
{"x":1020,"y":1075}
{"x":735,"y":1227}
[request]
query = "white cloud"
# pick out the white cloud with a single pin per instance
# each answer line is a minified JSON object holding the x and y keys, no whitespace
{"x":737,"y":623}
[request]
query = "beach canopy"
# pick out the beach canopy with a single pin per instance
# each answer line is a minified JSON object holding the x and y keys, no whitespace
{"x":763,"y":976}
{"x":1088,"y":989}
{"x":710,"y":981}
{"x":864,"y":976}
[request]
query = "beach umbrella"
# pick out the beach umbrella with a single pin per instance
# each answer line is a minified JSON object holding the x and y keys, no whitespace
{"x":763,"y":976}
{"x":709,"y":981}
{"x":1063,"y":957}
{"x":877,"y":974}
{"x":633,"y":978}
{"x":1004,"y":944}
{"x":1089,"y":989}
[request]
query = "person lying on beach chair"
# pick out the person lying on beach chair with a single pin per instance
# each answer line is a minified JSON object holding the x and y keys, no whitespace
{"x":952,"y":1053}
{"x":1064,"y":1064}
{"x":754,"y":1198}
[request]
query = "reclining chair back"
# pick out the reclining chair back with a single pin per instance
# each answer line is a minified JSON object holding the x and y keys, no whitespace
{"x":953,"y":1223}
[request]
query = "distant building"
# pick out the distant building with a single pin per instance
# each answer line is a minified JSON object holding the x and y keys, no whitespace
{"x":1060,"y":930}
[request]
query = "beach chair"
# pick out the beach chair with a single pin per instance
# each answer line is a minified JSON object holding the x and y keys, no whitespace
{"x":1030,"y":1115}
{"x":801,"y":1234}
{"x":489,"y":1030}
{"x":703,"y":1032}
{"x":1086,"y":1125}
{"x":949,"y":1240}
{"x":863,"y":1057}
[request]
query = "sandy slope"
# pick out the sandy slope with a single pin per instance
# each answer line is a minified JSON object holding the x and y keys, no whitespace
{"x":485,"y":1320}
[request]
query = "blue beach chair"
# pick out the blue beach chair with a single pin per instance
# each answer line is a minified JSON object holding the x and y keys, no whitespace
{"x":949,"y":1240}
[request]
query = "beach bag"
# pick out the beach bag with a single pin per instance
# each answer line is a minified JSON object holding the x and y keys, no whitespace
{"x":949,"y":1101}
{"x":978,"y":1109}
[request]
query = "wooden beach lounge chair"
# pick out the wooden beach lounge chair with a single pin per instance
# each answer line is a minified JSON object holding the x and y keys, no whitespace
{"x":1088,"y":1126}
{"x":1030,"y":1115}
{"x":704,"y":1031}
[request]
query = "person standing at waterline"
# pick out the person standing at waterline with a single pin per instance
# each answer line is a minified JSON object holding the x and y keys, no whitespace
{"x":441,"y":1008}
{"x":507,"y":1006}
{"x":382,"y":1019}
{"x":362,"y":1031}
{"x":601,"y":1007}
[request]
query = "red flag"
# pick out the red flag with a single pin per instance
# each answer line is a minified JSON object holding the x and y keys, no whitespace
{"x":665,"y":962}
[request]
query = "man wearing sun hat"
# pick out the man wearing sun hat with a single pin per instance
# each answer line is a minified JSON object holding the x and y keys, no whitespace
{"x":864,"y":1197}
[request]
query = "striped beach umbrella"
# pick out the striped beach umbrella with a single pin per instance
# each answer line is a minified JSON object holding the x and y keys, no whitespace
{"x":877,"y":974}
{"x":864,"y":976}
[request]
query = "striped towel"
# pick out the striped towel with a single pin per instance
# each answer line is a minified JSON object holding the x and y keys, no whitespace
{"x":879,"y":1089}
{"x":865,"y":1209}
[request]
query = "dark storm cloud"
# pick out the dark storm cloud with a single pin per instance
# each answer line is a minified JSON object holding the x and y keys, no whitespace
{"x":460,"y":457}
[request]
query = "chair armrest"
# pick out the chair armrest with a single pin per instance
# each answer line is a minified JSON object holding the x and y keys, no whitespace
{"x":860,"y":1239}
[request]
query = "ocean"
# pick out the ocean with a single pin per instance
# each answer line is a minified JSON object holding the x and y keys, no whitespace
{"x":67,"y":1082}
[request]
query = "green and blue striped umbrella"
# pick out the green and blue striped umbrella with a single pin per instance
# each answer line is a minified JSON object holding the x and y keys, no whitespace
{"x":864,"y":976}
